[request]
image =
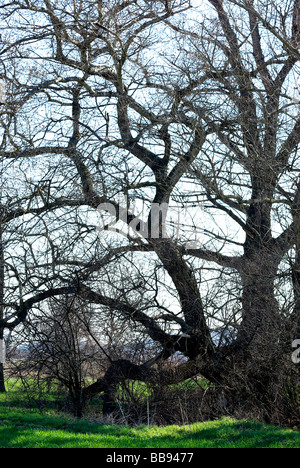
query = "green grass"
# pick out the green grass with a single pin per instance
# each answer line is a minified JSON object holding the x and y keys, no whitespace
{"x":22,"y":427}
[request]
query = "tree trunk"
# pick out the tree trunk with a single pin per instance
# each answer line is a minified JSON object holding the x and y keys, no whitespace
{"x":260,"y":328}
{"x":296,"y":266}
{"x":78,"y":402}
{"x":109,"y":401}
{"x":2,"y":382}
{"x":189,"y":295}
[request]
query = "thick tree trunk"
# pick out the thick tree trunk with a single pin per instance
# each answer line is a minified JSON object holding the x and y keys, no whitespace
{"x":2,"y":382}
{"x":260,"y":322}
{"x":260,"y":326}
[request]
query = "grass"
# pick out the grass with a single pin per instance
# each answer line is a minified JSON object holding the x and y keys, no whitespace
{"x":22,"y":427}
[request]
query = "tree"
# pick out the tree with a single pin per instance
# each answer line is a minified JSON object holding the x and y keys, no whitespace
{"x":63,"y":347}
{"x":164,"y":103}
{"x":2,"y":384}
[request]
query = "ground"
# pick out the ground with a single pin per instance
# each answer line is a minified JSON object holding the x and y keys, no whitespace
{"x":23,"y":426}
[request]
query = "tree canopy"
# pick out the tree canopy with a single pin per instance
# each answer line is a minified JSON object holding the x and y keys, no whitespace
{"x":157,"y":103}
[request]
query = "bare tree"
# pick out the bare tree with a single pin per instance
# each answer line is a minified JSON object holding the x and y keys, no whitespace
{"x":58,"y":351}
{"x":163,"y":103}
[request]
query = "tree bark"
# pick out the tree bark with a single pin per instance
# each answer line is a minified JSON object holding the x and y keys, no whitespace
{"x":2,"y":381}
{"x":190,"y":298}
{"x":260,"y":326}
{"x":296,"y":281}
{"x":296,"y":266}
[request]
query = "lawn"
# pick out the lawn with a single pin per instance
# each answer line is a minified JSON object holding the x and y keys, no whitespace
{"x":22,"y":427}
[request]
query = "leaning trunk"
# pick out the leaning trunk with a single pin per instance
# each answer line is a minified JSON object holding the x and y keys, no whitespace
{"x":190,"y":298}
